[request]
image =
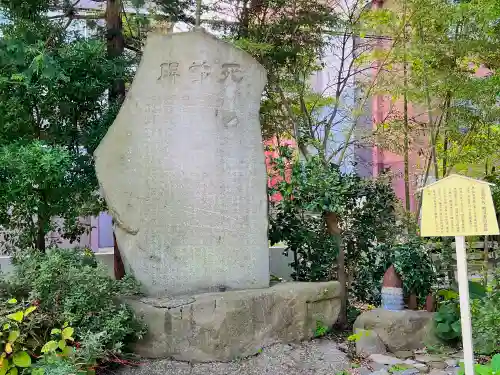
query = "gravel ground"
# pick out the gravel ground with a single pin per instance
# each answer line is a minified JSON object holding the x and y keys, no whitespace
{"x":319,"y":357}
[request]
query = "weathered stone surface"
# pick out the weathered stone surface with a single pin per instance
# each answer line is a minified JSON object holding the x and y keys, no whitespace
{"x":426,"y":358}
{"x":438,"y":364}
{"x":398,"y":330}
{"x":404,"y":354}
{"x":451,"y":362}
{"x":421,"y":367}
{"x":385,"y":359}
{"x":182,"y":168}
{"x":236,"y":324}
{"x":369,"y":343}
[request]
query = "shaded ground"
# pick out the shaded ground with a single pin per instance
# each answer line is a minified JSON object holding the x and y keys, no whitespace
{"x":319,"y":357}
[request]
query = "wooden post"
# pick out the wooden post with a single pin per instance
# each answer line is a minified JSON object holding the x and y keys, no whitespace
{"x":465,"y":318}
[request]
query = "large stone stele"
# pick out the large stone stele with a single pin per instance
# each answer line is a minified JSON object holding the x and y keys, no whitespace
{"x":234,"y":324}
{"x":182,"y":168}
{"x":398,"y":330}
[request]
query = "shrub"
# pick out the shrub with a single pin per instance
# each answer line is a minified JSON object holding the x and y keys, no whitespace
{"x":27,"y":347}
{"x":485,"y":308}
{"x":71,"y":287}
{"x":486,"y":320}
{"x":410,"y":258}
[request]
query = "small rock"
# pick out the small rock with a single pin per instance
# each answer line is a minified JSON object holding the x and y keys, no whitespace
{"x":427,"y":358}
{"x":378,"y":366}
{"x":409,"y":371}
{"x":410,"y":362}
{"x":404,"y":354}
{"x":363,"y":371}
{"x":380,"y":372}
{"x":438,"y":372}
{"x":369,"y":343}
{"x":421,"y":367}
{"x":451,"y":362}
{"x":343,"y":346}
{"x":438,"y":364}
{"x":385,"y":359}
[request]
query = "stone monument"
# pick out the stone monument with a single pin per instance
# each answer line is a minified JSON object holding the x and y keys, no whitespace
{"x":182,"y":170}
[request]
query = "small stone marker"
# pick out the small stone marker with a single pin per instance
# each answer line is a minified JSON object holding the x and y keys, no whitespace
{"x":459,"y":206}
{"x":182,"y":168}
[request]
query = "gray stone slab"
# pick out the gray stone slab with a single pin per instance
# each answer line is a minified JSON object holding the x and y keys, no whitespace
{"x":235,"y":324}
{"x":182,"y":168}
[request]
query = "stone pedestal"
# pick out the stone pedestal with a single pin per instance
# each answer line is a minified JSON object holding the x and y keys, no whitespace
{"x":235,"y":324}
{"x":398,"y":330}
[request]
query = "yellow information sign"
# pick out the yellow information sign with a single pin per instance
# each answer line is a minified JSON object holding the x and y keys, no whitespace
{"x":458,"y":206}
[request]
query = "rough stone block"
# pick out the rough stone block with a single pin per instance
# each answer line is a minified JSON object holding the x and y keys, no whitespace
{"x":369,"y":343}
{"x":234,"y":324}
{"x":398,"y":330}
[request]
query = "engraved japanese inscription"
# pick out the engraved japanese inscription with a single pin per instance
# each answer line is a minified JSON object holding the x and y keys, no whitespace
{"x":191,"y":181}
{"x":169,"y":70}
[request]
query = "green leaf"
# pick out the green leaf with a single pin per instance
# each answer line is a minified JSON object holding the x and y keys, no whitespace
{"x":495,"y":363}
{"x":61,"y":344}
{"x":443,"y":328}
{"x":13,"y":335}
{"x":21,"y":359}
{"x":13,"y":371}
{"x":55,"y":331}
{"x":476,"y":290}
{"x":6,"y":326}
{"x":50,"y":346}
{"x":17,"y":316}
{"x":67,"y":351}
{"x":481,"y":370}
{"x":456,"y":326}
{"x":65,"y":324}
{"x":12,"y":301}
{"x":67,"y":333}
{"x":29,"y":310}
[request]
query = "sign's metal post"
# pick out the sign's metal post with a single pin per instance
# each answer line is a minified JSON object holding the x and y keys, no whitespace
{"x":459,"y":206}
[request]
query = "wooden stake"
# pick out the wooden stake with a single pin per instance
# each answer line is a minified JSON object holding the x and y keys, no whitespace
{"x":465,"y":317}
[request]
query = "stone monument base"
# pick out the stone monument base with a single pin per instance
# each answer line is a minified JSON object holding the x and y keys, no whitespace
{"x":228,"y":325}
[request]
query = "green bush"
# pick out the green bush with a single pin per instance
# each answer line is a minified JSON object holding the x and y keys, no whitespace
{"x":27,"y":346}
{"x":486,"y":321}
{"x":70,"y":286}
{"x":490,"y":368}
{"x":410,"y":258}
{"x":485,"y":309}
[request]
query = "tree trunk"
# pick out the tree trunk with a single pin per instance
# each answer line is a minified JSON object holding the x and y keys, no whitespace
{"x":115,"y":48}
{"x":406,"y":145}
{"x":332,"y":224}
{"x":115,"y":44}
{"x":430,"y":303}
{"x":40,"y":235}
{"x":412,"y":302}
{"x":119,"y":268}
